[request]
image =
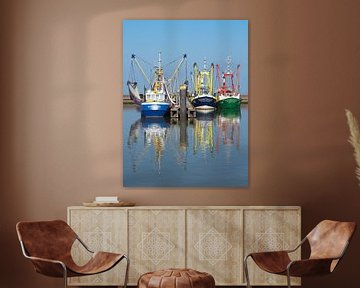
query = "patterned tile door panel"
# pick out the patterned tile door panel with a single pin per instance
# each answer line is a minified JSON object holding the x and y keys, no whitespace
{"x":270,"y":230}
{"x":210,"y":239}
{"x":157,"y":241}
{"x":214,"y":244}
{"x":101,"y":230}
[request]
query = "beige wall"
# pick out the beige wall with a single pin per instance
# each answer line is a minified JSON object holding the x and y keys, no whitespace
{"x":60,"y":113}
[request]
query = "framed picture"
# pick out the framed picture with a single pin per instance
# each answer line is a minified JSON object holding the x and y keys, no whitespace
{"x":185,"y":103}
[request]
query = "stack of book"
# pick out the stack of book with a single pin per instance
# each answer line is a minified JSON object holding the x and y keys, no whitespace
{"x":106,"y":199}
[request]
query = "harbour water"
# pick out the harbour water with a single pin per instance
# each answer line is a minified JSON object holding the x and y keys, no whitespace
{"x":210,"y":150}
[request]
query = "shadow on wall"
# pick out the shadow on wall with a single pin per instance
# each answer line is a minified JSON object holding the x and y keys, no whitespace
{"x":60,"y":112}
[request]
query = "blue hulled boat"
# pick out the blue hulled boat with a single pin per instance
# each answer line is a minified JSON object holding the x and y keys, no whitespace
{"x":204,"y":102}
{"x":203,"y":98}
{"x":156,"y":101}
{"x":155,"y":109}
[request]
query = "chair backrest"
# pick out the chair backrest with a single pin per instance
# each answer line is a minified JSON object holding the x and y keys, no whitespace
{"x":329,"y":239}
{"x":46,"y":239}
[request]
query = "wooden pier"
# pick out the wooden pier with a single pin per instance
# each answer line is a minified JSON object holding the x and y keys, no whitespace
{"x":184,"y":109}
{"x":175,"y":112}
{"x":127,"y":100}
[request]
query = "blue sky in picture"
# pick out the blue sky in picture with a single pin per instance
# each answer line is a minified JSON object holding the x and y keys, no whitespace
{"x":214,"y":40}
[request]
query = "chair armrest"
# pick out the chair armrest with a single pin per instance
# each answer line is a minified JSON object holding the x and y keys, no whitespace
{"x":271,"y":261}
{"x":298,"y":246}
{"x":309,"y":267}
{"x":84,"y":245}
{"x":48,"y":267}
{"x":268,"y":253}
{"x":281,"y":251}
{"x":45,"y":260}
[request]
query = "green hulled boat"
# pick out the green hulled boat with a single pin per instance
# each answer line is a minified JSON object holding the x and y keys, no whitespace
{"x":228,"y":102}
{"x":228,"y":96}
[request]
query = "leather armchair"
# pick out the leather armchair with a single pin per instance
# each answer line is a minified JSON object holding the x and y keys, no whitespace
{"x":48,"y":245}
{"x":328,"y":242}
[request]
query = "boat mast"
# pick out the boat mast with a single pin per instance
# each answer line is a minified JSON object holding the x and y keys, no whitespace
{"x":171,"y":82}
{"x":195,"y":77}
{"x":133,"y":58}
{"x":158,"y":68}
{"x":204,"y":76}
{"x":159,"y":65}
{"x":160,"y":72}
{"x":177,"y":68}
{"x":211,"y":78}
{"x":230,"y":74}
{"x":228,"y":62}
{"x":238,"y":78}
{"x":218,"y":77}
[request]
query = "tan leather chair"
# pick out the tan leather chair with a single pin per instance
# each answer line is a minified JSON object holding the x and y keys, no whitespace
{"x":48,"y":245}
{"x":328,"y":242}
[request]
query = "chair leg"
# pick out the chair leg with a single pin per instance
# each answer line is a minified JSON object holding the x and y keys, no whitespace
{"x":246,"y":272}
{"x":127,"y":271}
{"x":65,"y":276}
{"x":288,"y":278}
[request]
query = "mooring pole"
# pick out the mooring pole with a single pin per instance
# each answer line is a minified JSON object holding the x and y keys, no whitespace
{"x":183,"y":133}
{"x":183,"y":92}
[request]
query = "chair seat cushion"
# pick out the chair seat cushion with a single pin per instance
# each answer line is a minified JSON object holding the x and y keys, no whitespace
{"x":272,"y":262}
{"x":99,"y":262}
{"x":176,"y":278}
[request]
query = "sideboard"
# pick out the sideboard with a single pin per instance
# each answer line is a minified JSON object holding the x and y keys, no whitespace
{"x":212,"y":239}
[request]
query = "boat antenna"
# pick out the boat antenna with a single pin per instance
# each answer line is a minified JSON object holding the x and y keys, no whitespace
{"x":238,"y":78}
{"x":186,"y":72}
{"x":228,"y":62}
{"x":159,"y":60}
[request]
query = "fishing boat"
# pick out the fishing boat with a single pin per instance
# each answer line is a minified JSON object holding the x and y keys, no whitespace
{"x":228,"y":94}
{"x":203,"y":98}
{"x":156,"y":101}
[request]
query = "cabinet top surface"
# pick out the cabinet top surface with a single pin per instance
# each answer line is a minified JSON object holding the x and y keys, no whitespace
{"x":192,"y":207}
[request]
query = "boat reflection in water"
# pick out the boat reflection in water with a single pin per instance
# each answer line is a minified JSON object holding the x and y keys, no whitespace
{"x":204,"y":151}
{"x":155,"y":130}
{"x":204,"y":132}
{"x":228,"y":129}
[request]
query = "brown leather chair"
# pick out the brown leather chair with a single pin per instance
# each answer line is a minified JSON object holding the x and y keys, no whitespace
{"x":48,"y":245}
{"x":328,"y":242}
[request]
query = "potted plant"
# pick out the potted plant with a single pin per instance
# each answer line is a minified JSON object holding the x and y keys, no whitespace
{"x":354,"y":140}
